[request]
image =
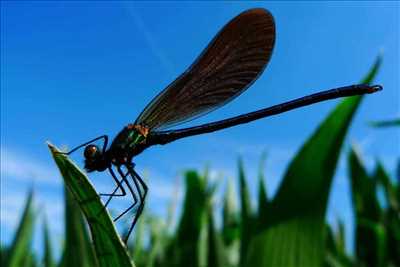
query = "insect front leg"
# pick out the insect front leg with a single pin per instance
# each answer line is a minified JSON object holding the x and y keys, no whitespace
{"x":105,"y":137}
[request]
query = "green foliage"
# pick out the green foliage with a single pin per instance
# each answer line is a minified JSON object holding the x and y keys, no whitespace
{"x":230,"y":219}
{"x":197,"y":239}
{"x":385,"y":123}
{"x":215,"y":248}
{"x":377,"y":229}
{"x":286,"y":230}
{"x":110,"y":251}
{"x":230,"y":226}
{"x":391,"y":215}
{"x":263,"y":202}
{"x":246,"y":228}
{"x":78,"y":250}
{"x":363,"y":190}
{"x":20,"y":253}
{"x":295,"y":234}
{"x":335,"y":254}
{"x":370,"y":237}
{"x":48,"y":260}
{"x":186,"y":249}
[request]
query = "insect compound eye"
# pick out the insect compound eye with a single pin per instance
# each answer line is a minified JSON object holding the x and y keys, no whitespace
{"x":91,"y":151}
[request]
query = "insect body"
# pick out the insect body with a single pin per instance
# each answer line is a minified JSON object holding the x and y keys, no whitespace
{"x":121,"y":150}
{"x":233,"y":60}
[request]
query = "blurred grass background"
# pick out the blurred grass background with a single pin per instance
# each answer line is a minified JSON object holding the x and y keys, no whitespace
{"x":289,"y":229}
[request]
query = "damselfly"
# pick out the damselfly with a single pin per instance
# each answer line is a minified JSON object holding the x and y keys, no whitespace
{"x":232,"y":61}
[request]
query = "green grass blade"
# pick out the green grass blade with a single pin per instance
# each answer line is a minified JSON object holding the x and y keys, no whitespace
{"x":331,"y":257}
{"x":332,"y":261}
{"x":48,"y":260}
{"x":392,"y":226}
{"x":385,"y":123}
{"x":340,"y":237}
{"x":370,"y":76}
{"x":158,"y":237}
{"x":263,"y":202}
{"x":371,"y":243}
{"x":78,"y":251}
{"x":230,"y":225}
{"x":294,"y":235}
{"x":245,"y":213}
{"x":230,"y":222}
{"x":30,"y":260}
{"x":335,"y":247}
{"x":392,"y":218}
{"x":20,"y":251}
{"x":109,"y":248}
{"x":3,"y":255}
{"x":389,"y":187}
{"x":369,"y":236}
{"x":216,"y":253}
{"x":187,"y":249}
{"x":363,"y":189}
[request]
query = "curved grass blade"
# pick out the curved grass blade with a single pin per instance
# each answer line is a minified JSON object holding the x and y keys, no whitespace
{"x":109,"y":248}
{"x":20,"y":252}
{"x":294,"y":235}
{"x":187,"y":246}
{"x":78,"y":251}
{"x":48,"y":260}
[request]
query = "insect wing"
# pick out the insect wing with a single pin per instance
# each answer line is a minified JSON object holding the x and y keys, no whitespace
{"x":233,"y":60}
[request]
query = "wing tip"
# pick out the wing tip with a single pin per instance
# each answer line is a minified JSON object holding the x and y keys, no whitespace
{"x":256,"y":11}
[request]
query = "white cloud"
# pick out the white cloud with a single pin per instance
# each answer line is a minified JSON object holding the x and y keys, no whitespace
{"x":12,"y":205}
{"x":19,"y":172}
{"x":163,"y":189}
{"x":21,"y":167}
{"x":11,"y":209}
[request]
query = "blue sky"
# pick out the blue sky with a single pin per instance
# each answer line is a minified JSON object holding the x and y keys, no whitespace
{"x":75,"y":70}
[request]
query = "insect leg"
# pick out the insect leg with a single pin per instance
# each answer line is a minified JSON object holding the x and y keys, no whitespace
{"x":135,"y":176}
{"x":105,"y":137}
{"x":143,"y":184}
{"x":119,"y":186}
{"x":132,"y":192}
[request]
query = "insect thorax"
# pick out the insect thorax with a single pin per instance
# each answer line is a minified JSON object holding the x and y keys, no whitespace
{"x":134,"y":137}
{"x":125,"y":142}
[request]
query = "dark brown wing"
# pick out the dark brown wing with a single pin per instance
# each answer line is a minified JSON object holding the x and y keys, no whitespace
{"x":228,"y":66}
